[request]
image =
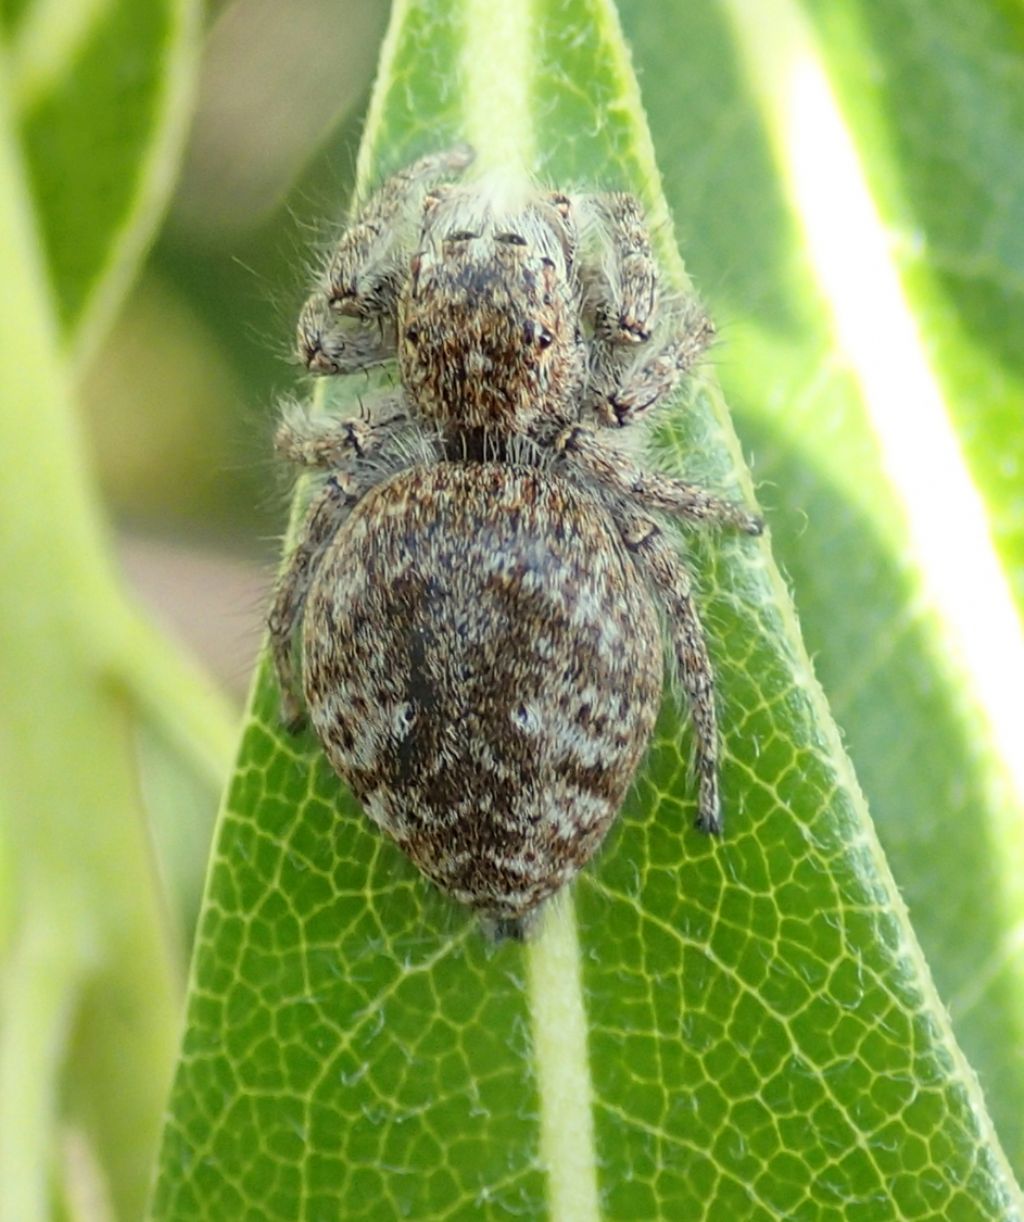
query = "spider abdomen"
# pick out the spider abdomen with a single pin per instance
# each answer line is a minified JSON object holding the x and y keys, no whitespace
{"x":483,"y":666}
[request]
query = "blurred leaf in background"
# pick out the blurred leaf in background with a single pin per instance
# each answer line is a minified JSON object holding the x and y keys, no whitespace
{"x":93,"y":108}
{"x":94,"y":100}
{"x":113,"y":747}
{"x":753,"y":1024}
{"x":266,"y":174}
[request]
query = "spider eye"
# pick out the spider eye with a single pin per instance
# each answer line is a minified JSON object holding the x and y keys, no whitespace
{"x":537,"y":333}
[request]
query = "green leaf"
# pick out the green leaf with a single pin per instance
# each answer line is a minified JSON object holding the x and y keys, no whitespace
{"x":88,"y":1004}
{"x":103,"y":90}
{"x":924,"y":679}
{"x":734,"y":1029}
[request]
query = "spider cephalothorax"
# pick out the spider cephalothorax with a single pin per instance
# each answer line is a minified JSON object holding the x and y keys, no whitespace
{"x":489,"y":319}
{"x":479,"y":577}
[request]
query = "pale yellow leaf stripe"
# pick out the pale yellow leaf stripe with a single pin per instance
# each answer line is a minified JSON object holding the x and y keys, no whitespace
{"x":46,"y":41}
{"x":562,"y":1061}
{"x":44,"y":50}
{"x":497,"y":76}
{"x":874,"y":326}
{"x":876,"y":330}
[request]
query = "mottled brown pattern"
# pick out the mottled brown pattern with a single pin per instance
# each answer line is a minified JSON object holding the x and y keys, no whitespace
{"x":489,"y":333}
{"x":478,"y":581}
{"x":510,"y":674}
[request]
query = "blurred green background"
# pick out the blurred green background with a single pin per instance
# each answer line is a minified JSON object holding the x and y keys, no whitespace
{"x":177,"y":398}
{"x":180,"y":397}
{"x":167,"y":173}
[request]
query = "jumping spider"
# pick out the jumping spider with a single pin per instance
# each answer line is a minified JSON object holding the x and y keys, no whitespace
{"x":479,"y":577}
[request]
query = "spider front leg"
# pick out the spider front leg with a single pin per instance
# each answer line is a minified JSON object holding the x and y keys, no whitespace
{"x":327,"y":346}
{"x":591,"y":453}
{"x":628,"y":374}
{"x":621,"y":300}
{"x":625,"y":386}
{"x":660,"y":564}
{"x":618,"y":272}
{"x":363,"y":277}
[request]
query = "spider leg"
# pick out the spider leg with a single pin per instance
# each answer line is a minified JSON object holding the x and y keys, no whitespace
{"x":328,"y":344}
{"x":337,"y":443}
{"x":660,"y":564}
{"x":594,"y":455}
{"x":635,"y":363}
{"x":325,"y":514}
{"x":364,"y":273}
{"x":357,"y":454}
{"x":625,"y":385}
{"x":619,"y":275}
